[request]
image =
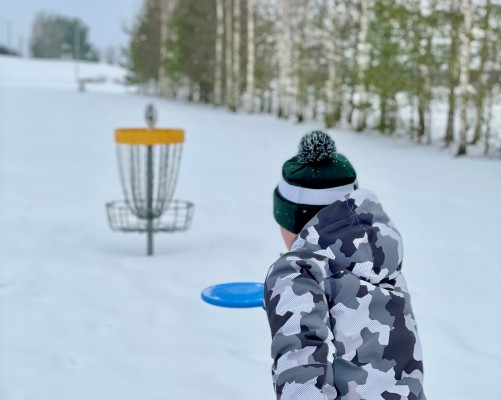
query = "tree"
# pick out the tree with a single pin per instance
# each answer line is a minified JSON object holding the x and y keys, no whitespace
{"x":195,"y":25}
{"x":56,"y":36}
{"x":251,"y":50}
{"x":165,"y":85}
{"x":144,"y":47}
{"x":300,"y":53}
{"x":266,"y":60}
{"x":453,"y":18}
{"x":425,"y":27}
{"x":352,"y":60}
{"x":392,"y":65}
{"x":228,"y":52}
{"x":284,"y":59}
{"x":235,"y":104}
{"x":362,"y":65}
{"x":464,"y":76}
{"x":482,"y":78}
{"x":331,"y":29}
{"x":493,"y":76}
{"x":218,"y":65}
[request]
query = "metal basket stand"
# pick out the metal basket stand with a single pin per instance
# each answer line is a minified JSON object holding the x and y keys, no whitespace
{"x":148,"y":164}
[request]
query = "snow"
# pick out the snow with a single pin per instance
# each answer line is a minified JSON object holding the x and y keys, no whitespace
{"x":84,"y":314}
{"x":19,"y":72}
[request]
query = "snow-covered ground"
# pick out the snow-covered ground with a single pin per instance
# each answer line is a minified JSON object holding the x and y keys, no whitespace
{"x":84,"y":314}
{"x":60,"y":74}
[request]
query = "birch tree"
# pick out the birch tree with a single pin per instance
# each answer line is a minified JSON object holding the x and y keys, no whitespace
{"x":464,"y":76}
{"x":454,"y":19}
{"x":493,"y":81}
{"x":218,"y":67}
{"x":482,"y":80}
{"x":229,"y":54}
{"x":284,"y":60}
{"x":266,"y":32}
{"x":425,"y":93}
{"x":302,"y":56}
{"x":236,"y":54}
{"x":363,"y":64}
{"x":299,"y":22}
{"x":251,"y":50}
{"x":349,"y":27}
{"x":331,"y":29}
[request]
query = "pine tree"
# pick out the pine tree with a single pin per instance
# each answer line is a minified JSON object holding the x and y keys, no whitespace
{"x":144,"y":47}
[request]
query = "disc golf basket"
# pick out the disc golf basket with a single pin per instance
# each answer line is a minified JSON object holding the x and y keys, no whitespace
{"x":148,"y":164}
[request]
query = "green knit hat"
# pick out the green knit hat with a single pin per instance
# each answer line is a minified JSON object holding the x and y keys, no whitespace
{"x":316,"y":177}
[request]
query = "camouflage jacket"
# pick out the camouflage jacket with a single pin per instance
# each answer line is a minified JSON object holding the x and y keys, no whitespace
{"x":339,"y":310}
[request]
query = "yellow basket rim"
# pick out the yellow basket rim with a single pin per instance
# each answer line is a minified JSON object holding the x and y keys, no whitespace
{"x":144,"y":136}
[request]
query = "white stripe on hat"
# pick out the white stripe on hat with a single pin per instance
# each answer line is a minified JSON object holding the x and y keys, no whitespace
{"x":313,"y":197}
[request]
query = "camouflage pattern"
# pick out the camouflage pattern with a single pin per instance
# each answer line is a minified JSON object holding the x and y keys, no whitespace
{"x":339,"y":309}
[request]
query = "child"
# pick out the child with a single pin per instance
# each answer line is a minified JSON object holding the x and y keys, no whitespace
{"x":338,"y":307}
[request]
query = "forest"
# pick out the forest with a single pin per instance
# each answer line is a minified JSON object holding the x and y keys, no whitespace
{"x":367,"y":64}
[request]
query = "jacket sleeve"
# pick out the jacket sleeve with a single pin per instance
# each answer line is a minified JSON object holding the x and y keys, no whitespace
{"x":302,"y":341}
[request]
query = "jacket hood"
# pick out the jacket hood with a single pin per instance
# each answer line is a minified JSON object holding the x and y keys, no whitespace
{"x":357,"y":236}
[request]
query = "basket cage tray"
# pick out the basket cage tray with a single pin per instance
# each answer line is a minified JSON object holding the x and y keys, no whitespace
{"x":177,"y":216}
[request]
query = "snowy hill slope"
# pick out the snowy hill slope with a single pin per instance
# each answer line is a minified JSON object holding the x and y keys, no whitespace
{"x":84,"y":314}
{"x":16,"y":71}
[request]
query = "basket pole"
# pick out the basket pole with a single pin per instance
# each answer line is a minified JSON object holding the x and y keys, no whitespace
{"x":149,"y":201}
{"x":151,"y":119}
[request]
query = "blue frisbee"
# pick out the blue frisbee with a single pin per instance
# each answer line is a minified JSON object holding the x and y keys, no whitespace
{"x":235,"y":295}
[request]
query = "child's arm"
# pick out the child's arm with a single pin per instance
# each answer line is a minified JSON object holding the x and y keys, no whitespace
{"x":298,"y":314}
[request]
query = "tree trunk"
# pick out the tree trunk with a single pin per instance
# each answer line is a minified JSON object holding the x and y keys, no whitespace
{"x":300,"y":43}
{"x":479,"y":110}
{"x":351,"y":110}
{"x":422,"y":120}
{"x":251,"y":50}
{"x":218,"y":68}
{"x":236,"y":54}
{"x":426,"y":92}
{"x":331,"y":41}
{"x":494,"y":58}
{"x":464,"y":76}
{"x":383,"y":106}
{"x":314,"y":108}
{"x":284,"y":48}
{"x":452,"y":80}
{"x":229,"y":54}
{"x":262,"y":105}
{"x":425,"y":102}
{"x":451,"y":114}
{"x":482,"y":84}
{"x":191,"y":91}
{"x":363,"y":64}
{"x":488,"y":122}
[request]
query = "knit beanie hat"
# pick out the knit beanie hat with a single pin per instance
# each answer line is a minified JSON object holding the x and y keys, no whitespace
{"x":316,"y":177}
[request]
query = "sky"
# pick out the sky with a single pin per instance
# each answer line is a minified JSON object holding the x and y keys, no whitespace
{"x":105,"y":19}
